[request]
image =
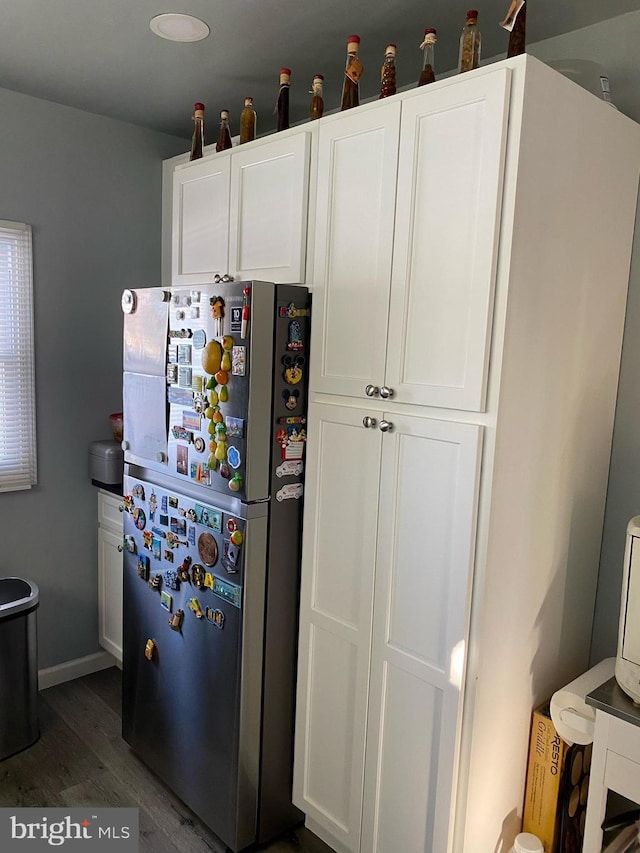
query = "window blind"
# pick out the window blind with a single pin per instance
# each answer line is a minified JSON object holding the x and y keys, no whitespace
{"x":17,"y":393}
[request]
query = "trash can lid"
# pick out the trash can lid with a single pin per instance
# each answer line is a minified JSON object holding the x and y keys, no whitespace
{"x":17,"y":594}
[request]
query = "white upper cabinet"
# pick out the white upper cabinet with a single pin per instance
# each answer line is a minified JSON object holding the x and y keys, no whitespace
{"x":200,"y":233}
{"x":243,"y":212}
{"x":357,"y":171}
{"x":452,"y":148}
{"x":268,"y":212}
{"x":414,"y":326}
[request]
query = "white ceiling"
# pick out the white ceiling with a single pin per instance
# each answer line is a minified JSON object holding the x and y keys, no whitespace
{"x":101,"y":56}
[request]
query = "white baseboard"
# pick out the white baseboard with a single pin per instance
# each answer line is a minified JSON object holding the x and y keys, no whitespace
{"x":71,"y":669}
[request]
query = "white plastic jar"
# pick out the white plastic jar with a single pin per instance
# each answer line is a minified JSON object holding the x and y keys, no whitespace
{"x":527,"y":843}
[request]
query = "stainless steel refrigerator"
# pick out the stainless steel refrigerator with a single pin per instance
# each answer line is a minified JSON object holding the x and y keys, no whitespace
{"x":214,"y":399}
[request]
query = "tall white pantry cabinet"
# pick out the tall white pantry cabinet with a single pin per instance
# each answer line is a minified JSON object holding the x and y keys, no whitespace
{"x":472,"y":245}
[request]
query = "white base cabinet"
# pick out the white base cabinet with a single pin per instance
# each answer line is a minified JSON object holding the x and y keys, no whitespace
{"x":466,"y":335}
{"x":110,"y":573}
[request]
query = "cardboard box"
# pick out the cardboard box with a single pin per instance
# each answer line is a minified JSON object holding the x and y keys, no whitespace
{"x":556,"y":789}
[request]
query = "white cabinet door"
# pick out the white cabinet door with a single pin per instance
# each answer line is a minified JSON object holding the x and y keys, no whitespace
{"x":110,"y":591}
{"x":200,"y":239}
{"x":357,"y":167}
{"x":452,"y":148}
{"x":343,"y":463}
{"x":426,"y":523}
{"x":268,"y":213}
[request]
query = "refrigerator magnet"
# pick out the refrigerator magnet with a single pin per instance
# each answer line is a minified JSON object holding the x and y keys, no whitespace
{"x":290,"y":398}
{"x":168,"y":555}
{"x":208,"y":580}
{"x":230,"y":559}
{"x":138,"y":491}
{"x":294,"y":337}
{"x":238,"y":361}
{"x":155,"y":582}
{"x":183,"y":571}
{"x":171,"y":580}
{"x":216,"y":304}
{"x":194,"y":605}
{"x":143,"y":567}
{"x":147,"y":539}
{"x":216,"y":617}
{"x":139,"y":518}
{"x":293,"y":365}
{"x":233,"y":457}
{"x":176,"y":620}
{"x":166,"y":600}
{"x":199,"y":338}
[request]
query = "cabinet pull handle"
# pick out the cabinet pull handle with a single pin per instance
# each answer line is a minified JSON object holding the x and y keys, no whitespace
{"x":386,"y":392}
{"x":218,"y":278}
{"x":368,"y":422}
{"x":372,"y":390}
{"x":385,"y":426}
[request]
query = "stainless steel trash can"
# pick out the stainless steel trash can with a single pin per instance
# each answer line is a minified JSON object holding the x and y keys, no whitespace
{"x":19,"y":721}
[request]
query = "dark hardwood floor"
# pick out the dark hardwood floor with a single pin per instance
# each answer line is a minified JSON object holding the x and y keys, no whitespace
{"x":81,"y":760}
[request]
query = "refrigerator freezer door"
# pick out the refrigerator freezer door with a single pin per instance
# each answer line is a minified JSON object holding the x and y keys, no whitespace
{"x":193,"y":634}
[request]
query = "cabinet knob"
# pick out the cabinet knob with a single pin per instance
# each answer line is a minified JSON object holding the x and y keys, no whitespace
{"x":161,"y":457}
{"x":385,"y":426}
{"x":120,"y":508}
{"x":124,"y":445}
{"x":372,"y":390}
{"x":386,"y":392}
{"x":368,"y":422}
{"x":120,"y":548}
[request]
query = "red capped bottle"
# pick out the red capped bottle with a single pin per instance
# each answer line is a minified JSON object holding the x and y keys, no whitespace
{"x":197,"y":140}
{"x":352,"y":75}
{"x":282,"y":106}
{"x":470,"y":43}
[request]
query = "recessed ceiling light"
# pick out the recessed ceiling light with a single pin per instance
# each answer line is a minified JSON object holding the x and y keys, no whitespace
{"x":177,"y":27}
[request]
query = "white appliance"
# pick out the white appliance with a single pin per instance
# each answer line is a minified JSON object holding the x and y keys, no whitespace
{"x":628,"y":656}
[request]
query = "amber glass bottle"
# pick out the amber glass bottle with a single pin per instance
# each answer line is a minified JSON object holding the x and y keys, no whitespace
{"x":516,"y":23}
{"x":316,"y":107}
{"x":282,"y":105}
{"x":197,"y":140}
{"x":224,"y":135}
{"x":388,"y":72}
{"x":428,"y":73}
{"x":470,"y":43}
{"x":352,"y":74}
{"x":247,"y":122}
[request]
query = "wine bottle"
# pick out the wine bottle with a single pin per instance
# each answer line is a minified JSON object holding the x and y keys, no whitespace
{"x":224,"y":135}
{"x":428,"y":74}
{"x":247,"y":122}
{"x":352,"y":75}
{"x":470,"y":42}
{"x":316,"y":107}
{"x":282,"y":105}
{"x":388,"y":72}
{"x":197,"y":140}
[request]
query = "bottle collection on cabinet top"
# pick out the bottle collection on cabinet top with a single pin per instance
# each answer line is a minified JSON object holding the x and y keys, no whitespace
{"x":468,"y":59}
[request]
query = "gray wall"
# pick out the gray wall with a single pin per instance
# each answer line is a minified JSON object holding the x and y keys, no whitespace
{"x":91,"y":189}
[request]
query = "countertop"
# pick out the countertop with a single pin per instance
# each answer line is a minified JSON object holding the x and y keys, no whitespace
{"x":611,"y":698}
{"x":114,"y":488}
